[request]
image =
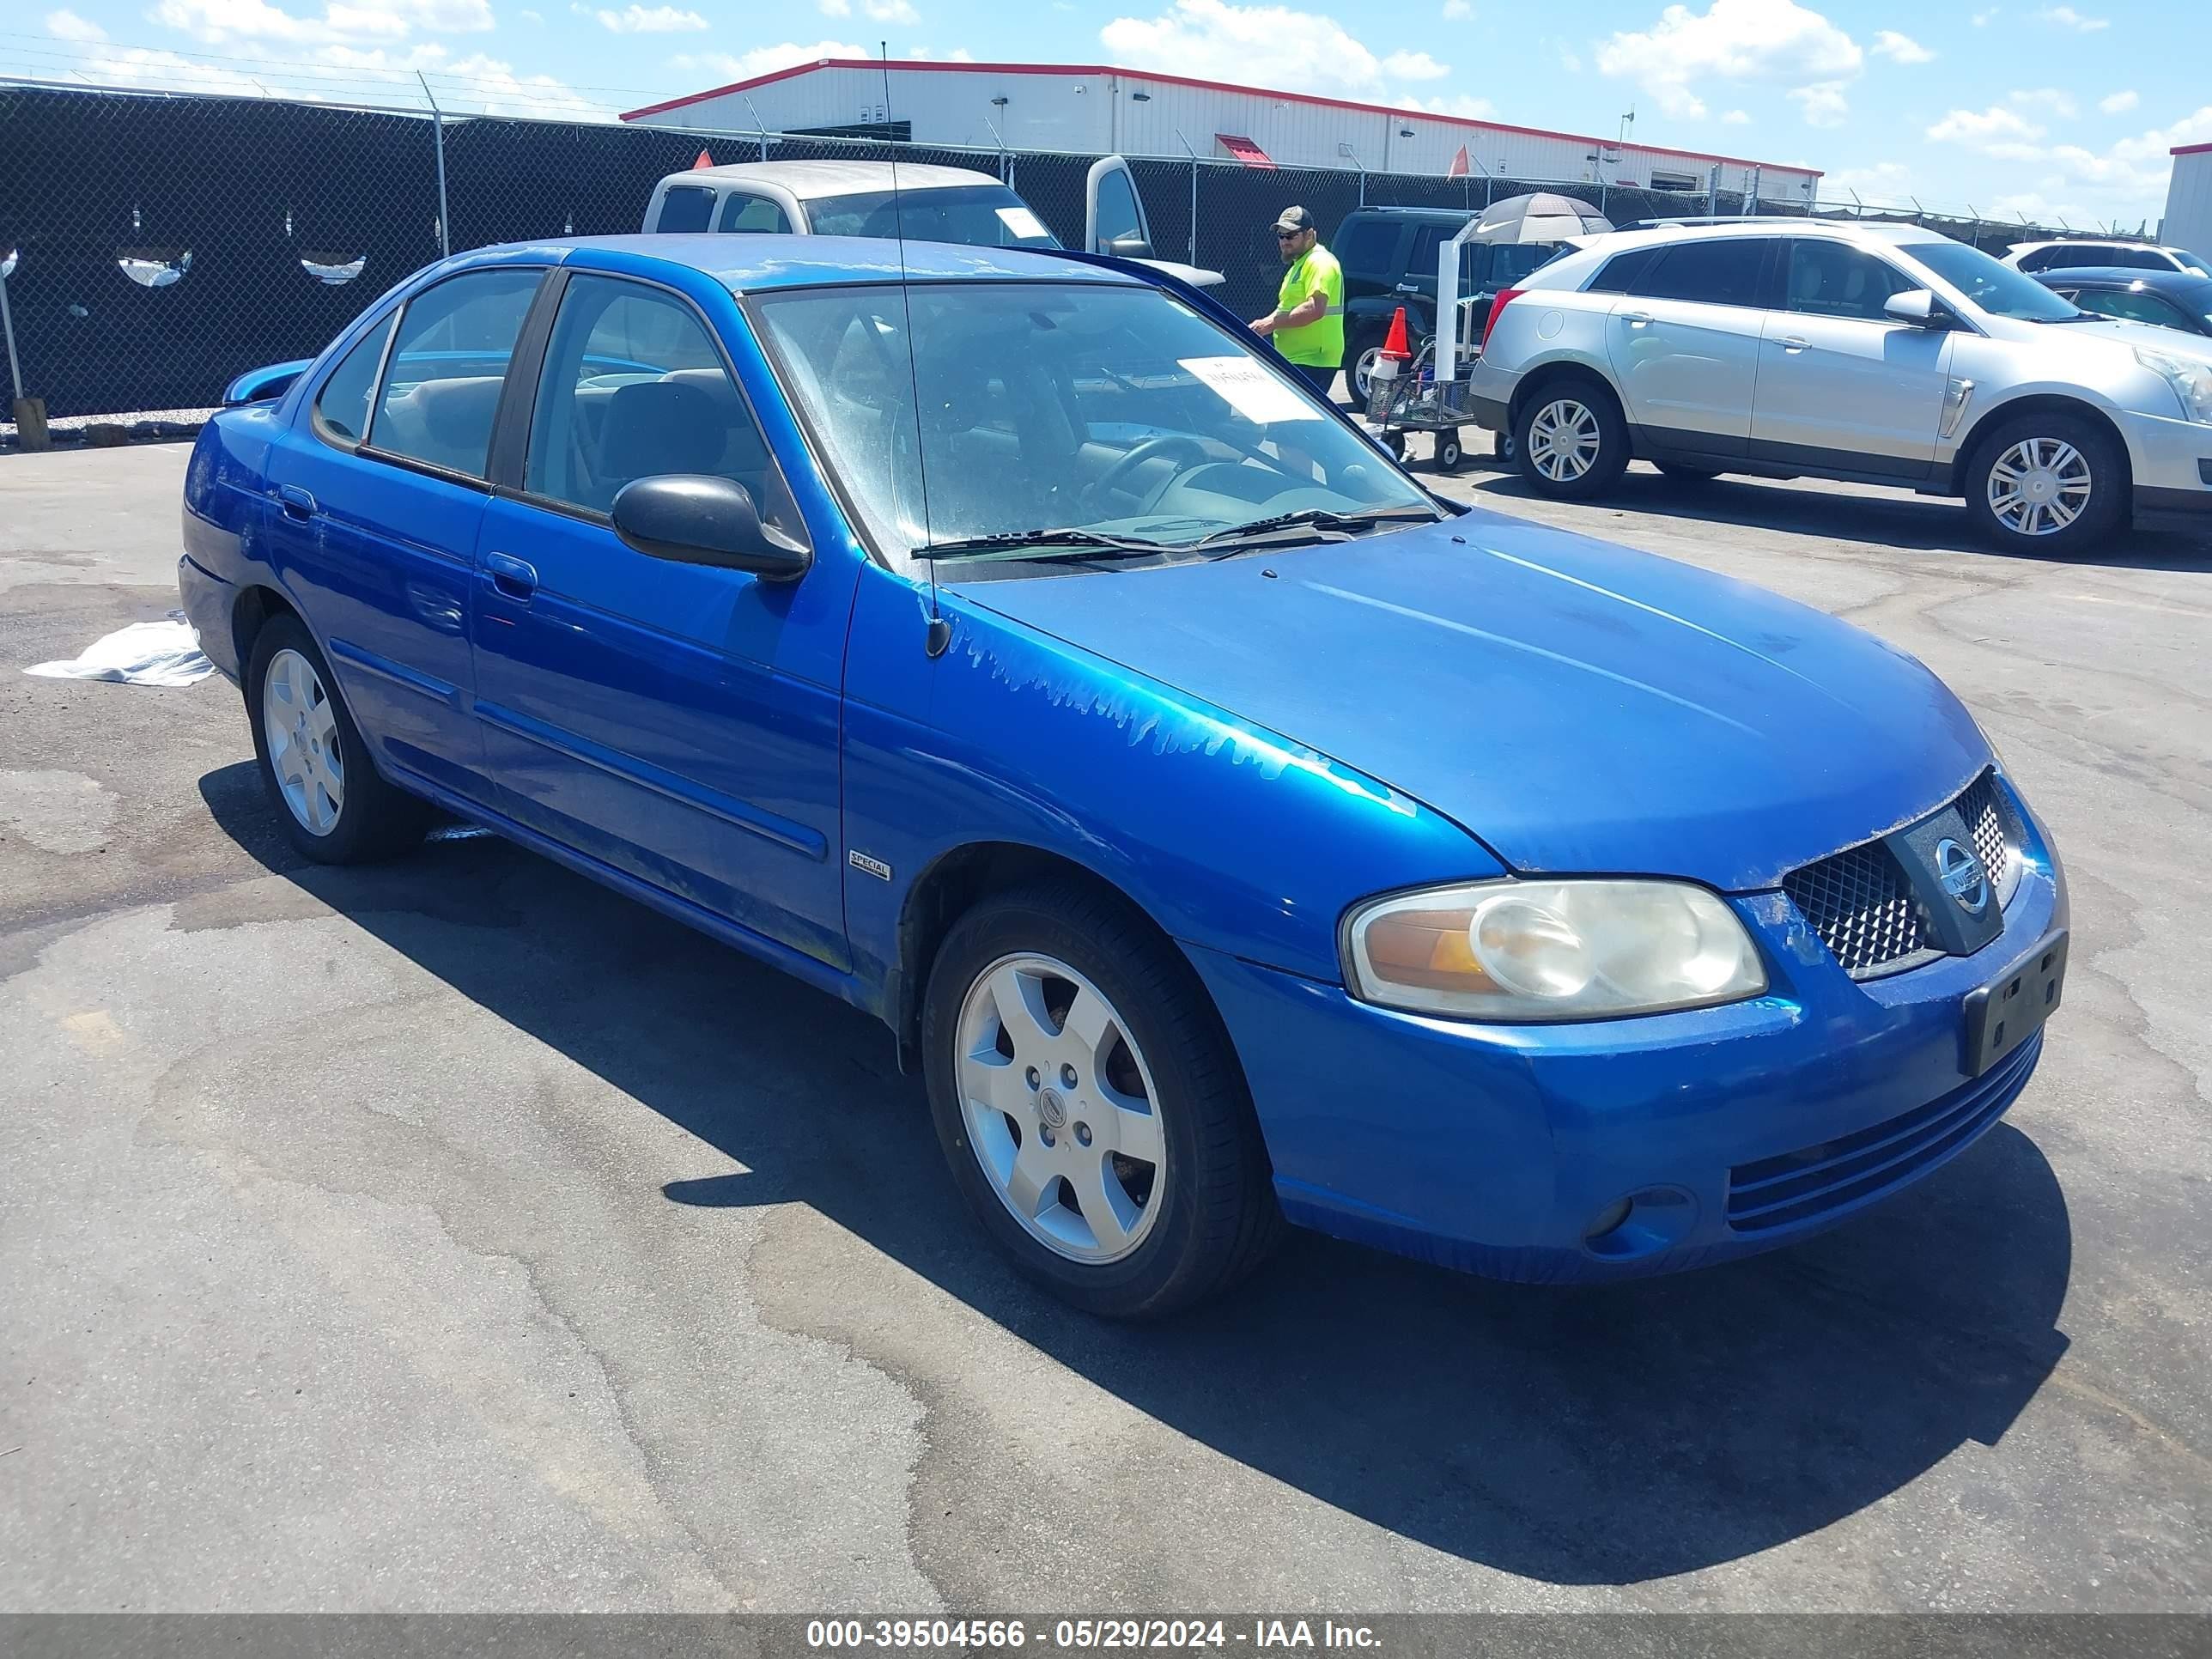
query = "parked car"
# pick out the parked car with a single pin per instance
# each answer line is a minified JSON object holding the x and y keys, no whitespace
{"x":926,"y":204}
{"x":2169,"y":299}
{"x":2033,"y":257}
{"x":1879,"y":353}
{"x":1567,"y":913}
{"x":1390,"y":260}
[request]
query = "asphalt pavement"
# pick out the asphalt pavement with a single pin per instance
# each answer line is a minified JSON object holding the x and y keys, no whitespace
{"x":459,"y":1235}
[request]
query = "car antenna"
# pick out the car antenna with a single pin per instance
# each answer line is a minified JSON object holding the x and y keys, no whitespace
{"x":940,"y":635}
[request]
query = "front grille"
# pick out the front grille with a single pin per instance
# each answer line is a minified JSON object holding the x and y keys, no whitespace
{"x":1799,"y":1186}
{"x":1862,"y":907}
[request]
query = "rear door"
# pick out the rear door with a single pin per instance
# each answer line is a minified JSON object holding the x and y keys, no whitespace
{"x":1840,"y":385}
{"x":1684,"y":342}
{"x":1371,"y":250}
{"x":381,"y":493}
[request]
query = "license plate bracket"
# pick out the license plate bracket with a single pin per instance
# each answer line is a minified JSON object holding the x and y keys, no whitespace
{"x":2012,"y":1007}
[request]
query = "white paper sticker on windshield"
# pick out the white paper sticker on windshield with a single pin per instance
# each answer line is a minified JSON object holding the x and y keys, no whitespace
{"x":1022,"y":222}
{"x":1251,"y":390}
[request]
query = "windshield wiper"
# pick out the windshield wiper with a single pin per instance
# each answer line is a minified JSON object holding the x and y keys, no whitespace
{"x":1028,"y":543}
{"x":1315,"y":518}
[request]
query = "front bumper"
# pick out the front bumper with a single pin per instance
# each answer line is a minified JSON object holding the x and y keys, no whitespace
{"x":2171,"y":460}
{"x":1496,"y":1148}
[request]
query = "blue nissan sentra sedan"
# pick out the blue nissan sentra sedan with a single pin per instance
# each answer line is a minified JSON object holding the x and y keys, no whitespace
{"x":1230,"y":832}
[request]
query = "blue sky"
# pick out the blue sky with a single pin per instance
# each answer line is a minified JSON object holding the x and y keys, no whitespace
{"x":2015,"y":108}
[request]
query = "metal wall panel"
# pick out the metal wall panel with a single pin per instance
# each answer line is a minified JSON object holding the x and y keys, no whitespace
{"x":2189,"y":202}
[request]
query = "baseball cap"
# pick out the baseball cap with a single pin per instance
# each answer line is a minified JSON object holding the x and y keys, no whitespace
{"x":1293,"y":218}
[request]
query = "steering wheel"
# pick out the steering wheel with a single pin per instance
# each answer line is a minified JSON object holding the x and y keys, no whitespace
{"x":1150,"y":449}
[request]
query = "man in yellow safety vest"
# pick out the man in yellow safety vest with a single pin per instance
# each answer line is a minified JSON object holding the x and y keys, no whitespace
{"x":1307,"y":323}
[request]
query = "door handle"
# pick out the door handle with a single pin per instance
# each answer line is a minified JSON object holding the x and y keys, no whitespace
{"x":1636,"y":318}
{"x":1793,"y":343}
{"x":516,"y":578}
{"x":296,"y":503}
{"x":1409,"y":287}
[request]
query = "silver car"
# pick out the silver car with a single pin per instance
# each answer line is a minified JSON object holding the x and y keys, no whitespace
{"x":1879,"y":354}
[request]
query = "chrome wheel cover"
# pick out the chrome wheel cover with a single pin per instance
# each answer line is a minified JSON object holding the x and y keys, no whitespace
{"x":1059,"y":1108}
{"x":1563,"y":439}
{"x":2039,"y":486}
{"x":1363,"y":367}
{"x":301,"y":730}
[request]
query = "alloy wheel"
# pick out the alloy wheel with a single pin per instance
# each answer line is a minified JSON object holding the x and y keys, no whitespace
{"x":1362,"y":367}
{"x":2038,"y":486}
{"x":1563,"y":439}
{"x":1059,"y":1108}
{"x":300,"y":726}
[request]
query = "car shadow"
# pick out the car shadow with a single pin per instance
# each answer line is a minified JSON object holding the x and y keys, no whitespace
{"x":1921,"y":523}
{"x":1587,"y":1436}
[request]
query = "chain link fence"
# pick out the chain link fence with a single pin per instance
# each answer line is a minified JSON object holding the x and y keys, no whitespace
{"x":164,"y":243}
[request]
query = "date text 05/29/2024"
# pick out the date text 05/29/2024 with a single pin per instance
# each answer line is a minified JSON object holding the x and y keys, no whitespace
{"x":1258,"y":1636}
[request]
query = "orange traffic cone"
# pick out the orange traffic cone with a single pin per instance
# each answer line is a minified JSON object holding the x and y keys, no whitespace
{"x":1395,"y":348}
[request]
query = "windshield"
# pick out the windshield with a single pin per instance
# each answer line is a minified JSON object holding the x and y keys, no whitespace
{"x":1999,"y":290}
{"x":1104,"y":409}
{"x":974,"y":216}
{"x":2191,"y":261}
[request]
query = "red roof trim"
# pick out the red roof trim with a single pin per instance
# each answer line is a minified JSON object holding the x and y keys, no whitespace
{"x":941,"y":66}
{"x":2192,"y":149}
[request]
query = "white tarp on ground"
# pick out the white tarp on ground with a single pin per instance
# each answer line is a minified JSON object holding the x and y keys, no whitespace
{"x":145,"y":654}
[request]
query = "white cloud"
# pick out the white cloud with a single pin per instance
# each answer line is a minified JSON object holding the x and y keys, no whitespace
{"x":1769,"y":40}
{"x":650,"y":20}
{"x":490,"y":85}
{"x":957,"y":55}
{"x":529,"y":17}
{"x":1903,"y":48}
{"x":2058,"y":101}
{"x":2128,"y":174}
{"x":2066,"y":18}
{"x":1570,"y":60}
{"x":1458,"y":103}
{"x":66,"y":25}
{"x":216,"y":22}
{"x":2118,"y":103}
{"x":1992,"y":132}
{"x":1982,"y":18}
{"x":890,"y":11}
{"x":1266,"y":46}
{"x":1822,"y":104}
{"x":1883,"y":182}
{"x":761,"y":60}
{"x":1736,"y":118}
{"x":1457,"y":11}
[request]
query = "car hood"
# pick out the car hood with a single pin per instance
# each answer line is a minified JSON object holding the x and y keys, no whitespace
{"x":1577,"y":706}
{"x":2118,"y":332}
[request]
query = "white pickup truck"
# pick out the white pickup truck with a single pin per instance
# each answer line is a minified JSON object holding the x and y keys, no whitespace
{"x":932,"y":204}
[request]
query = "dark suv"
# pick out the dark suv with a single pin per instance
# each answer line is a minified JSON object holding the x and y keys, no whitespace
{"x":1390,"y":260}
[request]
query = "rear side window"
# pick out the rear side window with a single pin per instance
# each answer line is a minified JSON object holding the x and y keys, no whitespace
{"x":2140,"y":259}
{"x":1624,"y":272}
{"x":754,"y":216}
{"x":342,"y":406}
{"x":1719,"y":272}
{"x":686,"y":207}
{"x":1366,"y":248}
{"x":1422,"y":261}
{"x":448,"y":364}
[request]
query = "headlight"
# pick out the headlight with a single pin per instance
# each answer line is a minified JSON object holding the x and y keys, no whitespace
{"x":2191,"y":381}
{"x":1551,"y":949}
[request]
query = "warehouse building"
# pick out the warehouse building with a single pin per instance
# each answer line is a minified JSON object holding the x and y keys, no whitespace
{"x":2188,"y":200}
{"x":1096,"y":110}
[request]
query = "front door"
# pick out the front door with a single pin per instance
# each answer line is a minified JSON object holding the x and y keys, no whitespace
{"x":1841,"y":386}
{"x":1684,"y":342}
{"x":679,"y":723}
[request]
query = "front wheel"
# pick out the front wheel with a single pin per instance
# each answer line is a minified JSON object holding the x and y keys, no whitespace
{"x":1571,"y":441}
{"x":2046,"y":484}
{"x":1088,"y":1102}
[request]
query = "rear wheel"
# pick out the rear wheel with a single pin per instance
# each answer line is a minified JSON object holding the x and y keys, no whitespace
{"x":1570,"y":440}
{"x":1364,"y":350}
{"x":2047,"y":484}
{"x":1090,"y":1106}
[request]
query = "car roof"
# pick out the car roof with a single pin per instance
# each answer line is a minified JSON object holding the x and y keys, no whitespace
{"x":1455,"y":215}
{"x":809,"y":179}
{"x":758,"y":265}
{"x":2121,"y":276}
{"x":1841,"y":230}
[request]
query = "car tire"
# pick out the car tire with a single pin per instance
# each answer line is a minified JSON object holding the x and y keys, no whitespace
{"x":2033,"y":469}
{"x":1691,"y":478}
{"x":1570,"y":440}
{"x":1121,"y":1216}
{"x":1359,"y":360}
{"x":334,"y":804}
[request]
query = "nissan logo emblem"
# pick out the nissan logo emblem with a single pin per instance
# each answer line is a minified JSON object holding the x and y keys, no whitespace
{"x":1962,"y":876}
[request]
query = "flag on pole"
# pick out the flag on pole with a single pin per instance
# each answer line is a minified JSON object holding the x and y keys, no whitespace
{"x":1459,"y":167}
{"x":704,"y":160}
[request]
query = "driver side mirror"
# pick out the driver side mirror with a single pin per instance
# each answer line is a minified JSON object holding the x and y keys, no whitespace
{"x":695,"y":518}
{"x":1919,"y":308}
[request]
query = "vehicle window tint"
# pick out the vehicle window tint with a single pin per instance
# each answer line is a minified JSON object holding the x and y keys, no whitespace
{"x":752,"y":215}
{"x":2140,"y":259}
{"x":2133,"y":308}
{"x":1509,"y":262}
{"x":686,"y":207}
{"x":1367,"y":246}
{"x":1827,"y":279}
{"x":633,"y":388}
{"x":1421,"y":261}
{"x":1118,"y":217}
{"x":2044,"y":259}
{"x":1719,"y":270}
{"x":342,"y":406}
{"x":448,"y":362}
{"x":1624,"y":270}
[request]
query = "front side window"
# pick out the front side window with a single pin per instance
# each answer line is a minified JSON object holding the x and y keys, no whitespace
{"x":2189,"y":261}
{"x":1717,"y":271}
{"x":1118,"y":216}
{"x":632,"y":388}
{"x":447,"y":366}
{"x":2140,"y":259}
{"x":974,"y":216}
{"x":686,"y":207}
{"x":1828,"y":279}
{"x":1996,"y":289}
{"x":1100,"y":409}
{"x":342,"y":406}
{"x":752,"y":215}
